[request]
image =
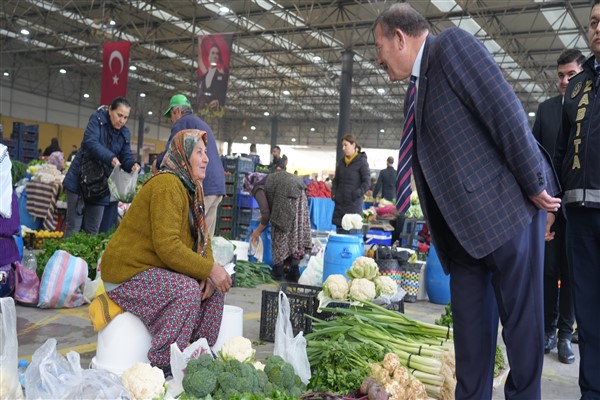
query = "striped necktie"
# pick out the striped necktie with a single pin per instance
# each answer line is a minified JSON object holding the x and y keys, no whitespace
{"x":403,"y":189}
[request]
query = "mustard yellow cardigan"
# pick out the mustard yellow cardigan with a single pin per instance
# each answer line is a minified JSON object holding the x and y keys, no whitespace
{"x":155,"y":232}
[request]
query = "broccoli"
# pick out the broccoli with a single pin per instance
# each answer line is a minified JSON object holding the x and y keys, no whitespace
{"x":199,"y":383}
{"x":203,"y":362}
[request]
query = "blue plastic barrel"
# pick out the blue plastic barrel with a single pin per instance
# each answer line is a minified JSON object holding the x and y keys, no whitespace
{"x":340,"y":253}
{"x":437,"y":282}
{"x":266,"y":239}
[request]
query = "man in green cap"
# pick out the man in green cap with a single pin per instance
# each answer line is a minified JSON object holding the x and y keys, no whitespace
{"x":182,"y":117}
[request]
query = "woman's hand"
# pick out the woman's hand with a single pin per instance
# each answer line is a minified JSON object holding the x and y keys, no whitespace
{"x":207,"y":289}
{"x":135,"y":168}
{"x":115,"y":162}
{"x":254,"y":238}
{"x":219,"y":278}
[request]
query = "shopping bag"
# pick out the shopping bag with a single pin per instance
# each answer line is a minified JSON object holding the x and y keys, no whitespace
{"x":291,"y":349}
{"x":179,"y":361}
{"x":52,"y":376}
{"x":27,"y":291}
{"x":10,"y":387}
{"x":122,"y":185}
{"x":63,"y":281}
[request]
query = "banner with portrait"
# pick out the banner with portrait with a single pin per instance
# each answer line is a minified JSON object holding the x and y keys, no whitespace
{"x":115,"y":67}
{"x":214,"y":54}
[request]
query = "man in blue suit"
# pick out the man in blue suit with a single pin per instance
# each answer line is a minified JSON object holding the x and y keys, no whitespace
{"x":485,"y":187}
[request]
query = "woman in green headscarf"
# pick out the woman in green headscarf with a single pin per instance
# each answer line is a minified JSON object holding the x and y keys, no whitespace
{"x":159,"y":264}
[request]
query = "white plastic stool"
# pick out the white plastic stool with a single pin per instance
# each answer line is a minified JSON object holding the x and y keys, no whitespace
{"x":122,"y":343}
{"x":232,"y":325}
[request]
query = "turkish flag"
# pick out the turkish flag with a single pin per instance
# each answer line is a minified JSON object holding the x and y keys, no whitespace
{"x":115,"y":66}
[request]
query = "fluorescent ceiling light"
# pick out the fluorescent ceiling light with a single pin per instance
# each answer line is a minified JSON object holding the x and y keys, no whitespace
{"x":86,"y":96}
{"x":62,"y":71}
{"x":24,"y":32}
{"x":266,"y":114}
{"x":252,"y":128}
{"x":142,"y":94}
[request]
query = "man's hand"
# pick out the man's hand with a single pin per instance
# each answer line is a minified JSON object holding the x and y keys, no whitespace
{"x":115,"y":162}
{"x":549,"y":221}
{"x":545,"y":202}
{"x":136,"y":167}
{"x":219,"y":278}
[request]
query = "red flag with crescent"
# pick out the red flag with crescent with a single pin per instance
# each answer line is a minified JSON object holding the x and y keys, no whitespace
{"x":115,"y":66}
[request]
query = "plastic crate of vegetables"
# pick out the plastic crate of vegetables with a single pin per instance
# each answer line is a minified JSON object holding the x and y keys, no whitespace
{"x":303,"y":301}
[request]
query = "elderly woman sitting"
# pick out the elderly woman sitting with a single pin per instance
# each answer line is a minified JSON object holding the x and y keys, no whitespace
{"x":159,"y":264}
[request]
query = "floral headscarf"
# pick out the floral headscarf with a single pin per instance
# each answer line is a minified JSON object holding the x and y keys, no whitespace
{"x":251,"y":180}
{"x":177,"y":162}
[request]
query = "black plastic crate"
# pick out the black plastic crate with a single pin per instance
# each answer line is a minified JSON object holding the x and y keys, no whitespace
{"x":229,"y":177}
{"x":227,"y":200}
{"x":303,"y":301}
{"x":244,"y":216}
{"x":226,"y":211}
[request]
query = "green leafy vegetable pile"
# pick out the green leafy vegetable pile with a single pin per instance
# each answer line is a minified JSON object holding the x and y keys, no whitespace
{"x":227,"y":379}
{"x":339,"y":365}
{"x":445,"y":319}
{"x":82,"y":245}
{"x":18,"y":171}
{"x":251,"y":274}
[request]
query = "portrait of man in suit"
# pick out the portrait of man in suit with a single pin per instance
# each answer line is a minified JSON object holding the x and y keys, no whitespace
{"x":485,"y":187}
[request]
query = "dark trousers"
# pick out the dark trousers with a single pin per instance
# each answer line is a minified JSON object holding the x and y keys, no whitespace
{"x":558,"y":304}
{"x":583,"y":250}
{"x":507,"y":284}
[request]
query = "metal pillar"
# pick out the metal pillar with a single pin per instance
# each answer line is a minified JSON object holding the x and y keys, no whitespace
{"x":140,"y":138}
{"x":274,"y":134}
{"x":345,"y":96}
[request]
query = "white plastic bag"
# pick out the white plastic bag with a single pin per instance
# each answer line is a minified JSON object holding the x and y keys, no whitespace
{"x":291,"y":349}
{"x":122,"y":185}
{"x":222,"y":250}
{"x":52,"y":376}
{"x":10,"y":388}
{"x":179,"y":360}
{"x":313,"y":274}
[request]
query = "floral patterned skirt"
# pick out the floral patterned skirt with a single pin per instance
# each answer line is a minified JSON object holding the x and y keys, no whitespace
{"x":169,"y":304}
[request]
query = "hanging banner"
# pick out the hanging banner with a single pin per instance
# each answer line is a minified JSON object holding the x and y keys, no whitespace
{"x":115,"y":66}
{"x":214,"y":53}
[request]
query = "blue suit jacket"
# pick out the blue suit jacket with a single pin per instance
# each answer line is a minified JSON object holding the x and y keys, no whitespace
{"x":473,"y":146}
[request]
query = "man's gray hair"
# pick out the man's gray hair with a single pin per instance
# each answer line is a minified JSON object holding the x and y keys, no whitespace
{"x":404,"y":17}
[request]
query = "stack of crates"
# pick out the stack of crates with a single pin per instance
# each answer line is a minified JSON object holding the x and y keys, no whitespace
{"x":23,"y":142}
{"x":235,"y":169}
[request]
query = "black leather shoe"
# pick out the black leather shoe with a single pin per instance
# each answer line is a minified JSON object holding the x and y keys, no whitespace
{"x":549,"y":342}
{"x":565,"y":352}
{"x":575,"y":338}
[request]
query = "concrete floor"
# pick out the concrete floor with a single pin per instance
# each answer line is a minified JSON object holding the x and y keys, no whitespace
{"x":73,"y":331}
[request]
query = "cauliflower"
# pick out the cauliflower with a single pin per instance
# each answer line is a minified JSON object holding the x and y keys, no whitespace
{"x":258,"y":365}
{"x":362,"y":289}
{"x":238,"y":348}
{"x":385,"y":286}
{"x":363,"y":267}
{"x":336,"y":287}
{"x":143,"y":381}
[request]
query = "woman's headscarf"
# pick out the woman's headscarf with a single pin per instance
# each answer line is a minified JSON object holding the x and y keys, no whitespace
{"x":251,"y":179}
{"x":177,"y":161}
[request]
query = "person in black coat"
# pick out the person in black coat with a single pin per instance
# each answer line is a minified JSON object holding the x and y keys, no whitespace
{"x":386,"y":182}
{"x":351,"y":182}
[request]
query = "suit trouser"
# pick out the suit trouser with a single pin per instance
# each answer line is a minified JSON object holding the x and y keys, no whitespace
{"x":583,"y":250}
{"x":506,"y":283}
{"x":558,"y":303}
